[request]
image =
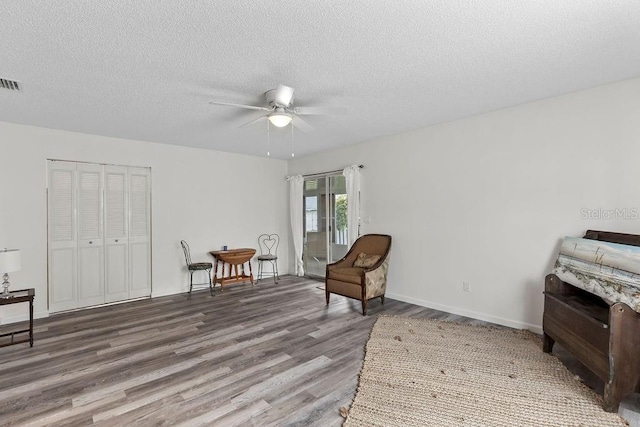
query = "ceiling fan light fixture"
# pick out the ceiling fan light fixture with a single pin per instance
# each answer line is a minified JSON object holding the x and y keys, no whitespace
{"x":280,"y":120}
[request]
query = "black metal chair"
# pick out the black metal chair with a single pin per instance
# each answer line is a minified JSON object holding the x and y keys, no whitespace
{"x":268,"y":244}
{"x":196,"y":266}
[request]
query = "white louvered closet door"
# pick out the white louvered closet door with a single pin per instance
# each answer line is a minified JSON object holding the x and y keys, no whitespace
{"x":116,"y":231}
{"x":140,"y":232}
{"x":99,"y":234}
{"x":90,"y":235}
{"x":63,"y":245}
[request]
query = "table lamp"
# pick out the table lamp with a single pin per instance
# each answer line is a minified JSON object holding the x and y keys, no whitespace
{"x":9,"y":262}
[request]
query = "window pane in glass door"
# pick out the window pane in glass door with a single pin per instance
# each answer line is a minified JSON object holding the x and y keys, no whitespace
{"x":338,"y":219}
{"x":315,"y":236}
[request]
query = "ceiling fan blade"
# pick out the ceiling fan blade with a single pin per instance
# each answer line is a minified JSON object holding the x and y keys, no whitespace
{"x":301,"y":124}
{"x":253,"y":121}
{"x":284,"y":95}
{"x":250,"y":107}
{"x":308,"y":111}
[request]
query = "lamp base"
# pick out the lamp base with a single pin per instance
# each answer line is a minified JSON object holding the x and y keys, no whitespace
{"x":5,"y":286}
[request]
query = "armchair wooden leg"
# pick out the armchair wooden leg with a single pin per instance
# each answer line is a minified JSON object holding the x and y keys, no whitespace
{"x":547,"y":343}
{"x":382,"y":299}
{"x":326,"y":294}
{"x":364,"y":307}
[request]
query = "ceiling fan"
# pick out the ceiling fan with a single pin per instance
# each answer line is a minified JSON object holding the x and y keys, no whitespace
{"x":281,"y":110}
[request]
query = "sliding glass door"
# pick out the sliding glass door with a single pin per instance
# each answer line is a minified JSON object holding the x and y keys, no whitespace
{"x":325,"y":222}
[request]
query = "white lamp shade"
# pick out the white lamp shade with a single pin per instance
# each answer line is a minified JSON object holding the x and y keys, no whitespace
{"x":10,"y":260}
{"x":279,"y":120}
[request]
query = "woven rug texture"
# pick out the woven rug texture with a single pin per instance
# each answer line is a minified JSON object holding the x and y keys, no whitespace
{"x":420,"y":372}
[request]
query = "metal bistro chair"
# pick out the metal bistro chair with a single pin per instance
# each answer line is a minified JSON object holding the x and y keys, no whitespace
{"x":268,"y":244}
{"x":196,"y":266}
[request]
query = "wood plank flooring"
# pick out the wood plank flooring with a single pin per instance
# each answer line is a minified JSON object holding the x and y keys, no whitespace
{"x":269,"y":354}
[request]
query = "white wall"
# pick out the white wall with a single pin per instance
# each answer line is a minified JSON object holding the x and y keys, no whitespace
{"x":205,"y":197}
{"x":488,"y":199}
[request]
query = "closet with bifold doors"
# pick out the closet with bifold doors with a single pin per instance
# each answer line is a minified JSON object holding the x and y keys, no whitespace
{"x":99,"y":234}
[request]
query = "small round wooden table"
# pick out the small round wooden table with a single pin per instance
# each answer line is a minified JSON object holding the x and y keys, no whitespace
{"x":235,"y":259}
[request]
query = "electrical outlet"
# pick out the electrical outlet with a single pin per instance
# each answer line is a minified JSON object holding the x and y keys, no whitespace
{"x":466,"y":286}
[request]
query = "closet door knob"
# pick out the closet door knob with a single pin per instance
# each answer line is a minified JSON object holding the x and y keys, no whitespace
{"x":116,"y":240}
{"x":90,"y":242}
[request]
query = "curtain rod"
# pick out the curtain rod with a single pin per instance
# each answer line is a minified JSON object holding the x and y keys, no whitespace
{"x":322,"y":173}
{"x":328,"y":172}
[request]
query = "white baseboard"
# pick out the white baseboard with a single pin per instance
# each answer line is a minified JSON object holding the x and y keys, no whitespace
{"x":467,"y":313}
{"x":167,"y":292}
{"x":423,"y":303}
{"x":23,"y":317}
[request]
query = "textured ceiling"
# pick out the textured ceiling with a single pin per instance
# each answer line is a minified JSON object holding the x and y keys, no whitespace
{"x":146,"y":70}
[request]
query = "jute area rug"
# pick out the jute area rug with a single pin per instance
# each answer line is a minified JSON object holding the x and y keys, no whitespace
{"x":431,"y":373}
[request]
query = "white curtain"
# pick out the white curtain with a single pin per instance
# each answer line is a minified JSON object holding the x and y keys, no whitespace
{"x":295,"y":210}
{"x":352,"y":178}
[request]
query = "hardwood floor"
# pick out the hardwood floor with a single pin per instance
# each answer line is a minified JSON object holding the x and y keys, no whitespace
{"x":269,"y":354}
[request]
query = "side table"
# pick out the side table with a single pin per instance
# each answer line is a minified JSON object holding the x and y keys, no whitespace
{"x":24,"y":295}
{"x":235,"y":259}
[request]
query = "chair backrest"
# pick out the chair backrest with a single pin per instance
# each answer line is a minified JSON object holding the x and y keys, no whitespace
{"x":268,"y":244}
{"x":187,"y":252}
{"x":370,"y":244}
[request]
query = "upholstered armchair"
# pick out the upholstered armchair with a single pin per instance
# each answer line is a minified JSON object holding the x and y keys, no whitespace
{"x":362,"y":273}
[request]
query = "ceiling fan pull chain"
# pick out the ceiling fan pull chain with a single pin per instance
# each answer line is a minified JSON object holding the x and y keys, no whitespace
{"x":292,"y":148}
{"x":268,"y":140}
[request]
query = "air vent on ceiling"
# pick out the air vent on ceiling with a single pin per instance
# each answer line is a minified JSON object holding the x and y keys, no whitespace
{"x":10,"y":84}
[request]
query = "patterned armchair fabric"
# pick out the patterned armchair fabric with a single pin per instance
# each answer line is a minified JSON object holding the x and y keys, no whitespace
{"x":362,"y":283}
